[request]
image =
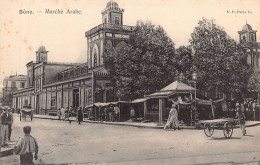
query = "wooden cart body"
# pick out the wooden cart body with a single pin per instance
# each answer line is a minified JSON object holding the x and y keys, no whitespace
{"x":225,"y":124}
{"x":26,"y":113}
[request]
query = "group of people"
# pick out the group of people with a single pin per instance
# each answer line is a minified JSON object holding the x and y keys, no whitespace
{"x":26,"y":145}
{"x":6,"y":119}
{"x":64,"y":114}
{"x":109,"y":113}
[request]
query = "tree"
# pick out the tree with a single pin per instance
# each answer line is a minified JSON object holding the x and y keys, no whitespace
{"x":185,"y":63}
{"x":143,"y":66}
{"x":219,"y":60}
{"x":7,"y":99}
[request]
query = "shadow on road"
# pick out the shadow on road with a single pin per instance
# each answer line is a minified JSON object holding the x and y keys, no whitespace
{"x":223,"y":138}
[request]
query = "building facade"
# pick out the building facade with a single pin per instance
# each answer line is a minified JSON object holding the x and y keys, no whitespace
{"x":14,"y":83}
{"x":248,"y":37}
{"x":10,"y":85}
{"x":55,"y":85}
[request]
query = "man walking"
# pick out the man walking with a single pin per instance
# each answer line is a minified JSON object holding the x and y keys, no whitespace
{"x":117,"y":113}
{"x":10,"y":124}
{"x":63,"y":110}
{"x":6,"y":120}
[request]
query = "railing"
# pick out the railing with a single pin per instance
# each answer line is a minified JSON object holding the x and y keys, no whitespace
{"x":72,"y":72}
{"x":109,"y":26}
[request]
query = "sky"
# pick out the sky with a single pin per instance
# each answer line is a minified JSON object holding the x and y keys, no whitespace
{"x":63,"y":34}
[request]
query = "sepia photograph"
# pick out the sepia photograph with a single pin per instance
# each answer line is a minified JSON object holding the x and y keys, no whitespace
{"x":130,"y":82}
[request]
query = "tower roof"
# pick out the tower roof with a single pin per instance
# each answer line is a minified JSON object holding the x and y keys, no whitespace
{"x":42,"y":49}
{"x":247,"y":27}
{"x":112,"y":5}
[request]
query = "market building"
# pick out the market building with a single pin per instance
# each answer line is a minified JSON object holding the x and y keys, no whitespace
{"x":55,"y":85}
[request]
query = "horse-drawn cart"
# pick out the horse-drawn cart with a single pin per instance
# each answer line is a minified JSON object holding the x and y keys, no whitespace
{"x":26,"y":113}
{"x":225,"y":124}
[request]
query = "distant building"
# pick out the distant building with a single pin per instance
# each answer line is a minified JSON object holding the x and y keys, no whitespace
{"x":55,"y":85}
{"x":14,"y":83}
{"x":10,"y":85}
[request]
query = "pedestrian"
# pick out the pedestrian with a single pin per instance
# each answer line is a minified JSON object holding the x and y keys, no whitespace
{"x":10,"y":124}
{"x":111,"y":113}
{"x":241,"y":118}
{"x":69,"y":112}
{"x":117,"y":113}
{"x":59,"y":113}
{"x":6,"y":120}
{"x":172,"y":121}
{"x":106,"y":110}
{"x":80,"y":115}
{"x":26,"y":146}
{"x":132,"y":113}
{"x":100,"y":113}
{"x":63,"y":111}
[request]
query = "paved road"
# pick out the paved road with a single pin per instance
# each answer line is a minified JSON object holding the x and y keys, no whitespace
{"x":61,"y":142}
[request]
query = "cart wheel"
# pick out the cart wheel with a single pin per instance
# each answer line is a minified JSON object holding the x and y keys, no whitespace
{"x":208,"y":129}
{"x":228,"y":130}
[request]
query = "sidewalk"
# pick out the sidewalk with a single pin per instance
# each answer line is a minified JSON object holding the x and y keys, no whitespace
{"x":152,"y":125}
{"x":7,"y":150}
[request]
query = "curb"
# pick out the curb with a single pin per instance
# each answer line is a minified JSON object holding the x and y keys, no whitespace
{"x":252,"y":125}
{"x":6,"y":152}
{"x":129,"y":125}
{"x":96,"y":122}
{"x":117,"y":124}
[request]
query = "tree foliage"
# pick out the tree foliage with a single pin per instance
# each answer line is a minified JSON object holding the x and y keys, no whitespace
{"x":7,"y":99}
{"x":145,"y":65}
{"x":185,"y":63}
{"x":219,"y":60}
{"x":254,"y":83}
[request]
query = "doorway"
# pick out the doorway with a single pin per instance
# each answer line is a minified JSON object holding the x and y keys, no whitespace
{"x":75,"y":98}
{"x":37,"y":104}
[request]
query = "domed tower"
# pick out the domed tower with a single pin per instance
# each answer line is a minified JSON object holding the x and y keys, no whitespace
{"x":111,"y":34}
{"x":247,"y":34}
{"x":112,"y":14}
{"x":41,"y":54}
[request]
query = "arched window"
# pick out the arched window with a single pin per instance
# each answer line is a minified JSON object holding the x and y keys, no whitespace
{"x":95,"y":56}
{"x":244,"y":38}
{"x":89,"y":58}
{"x":120,"y":46}
{"x":252,"y":37}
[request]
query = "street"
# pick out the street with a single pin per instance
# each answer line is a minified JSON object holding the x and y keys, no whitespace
{"x":64,"y":143}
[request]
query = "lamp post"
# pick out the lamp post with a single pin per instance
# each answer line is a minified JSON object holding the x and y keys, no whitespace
{"x":194,"y":77}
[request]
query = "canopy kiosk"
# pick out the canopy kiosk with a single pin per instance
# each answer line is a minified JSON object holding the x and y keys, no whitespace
{"x":166,"y":93}
{"x":92,"y":109}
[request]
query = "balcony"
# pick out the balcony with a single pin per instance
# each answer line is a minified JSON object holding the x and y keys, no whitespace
{"x":109,"y":26}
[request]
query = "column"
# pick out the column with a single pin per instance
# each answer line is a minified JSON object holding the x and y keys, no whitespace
{"x":145,"y":109}
{"x":160,"y":110}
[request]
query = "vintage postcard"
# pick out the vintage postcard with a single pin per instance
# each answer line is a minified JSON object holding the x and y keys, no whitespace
{"x":130,"y":82}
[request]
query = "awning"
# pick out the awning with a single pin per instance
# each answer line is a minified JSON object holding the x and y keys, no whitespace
{"x":139,"y":100}
{"x":173,"y":88}
{"x":101,"y":104}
